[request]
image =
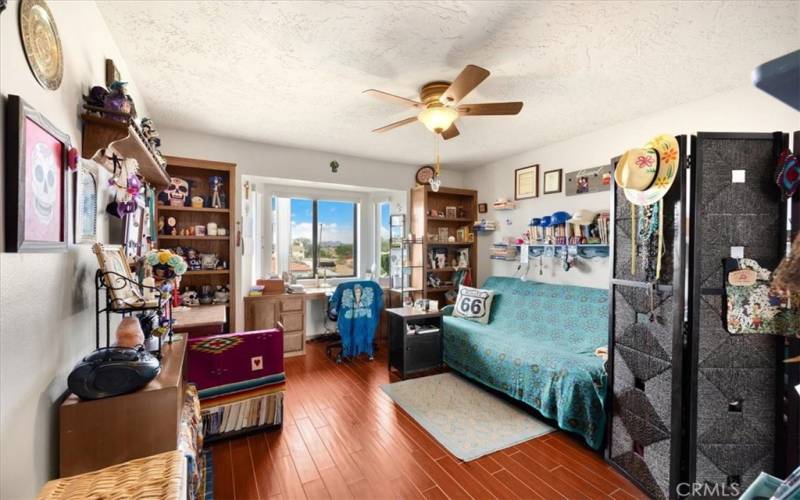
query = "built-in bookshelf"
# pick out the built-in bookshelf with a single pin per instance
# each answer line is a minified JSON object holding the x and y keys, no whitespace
{"x":198,"y":173}
{"x":437,"y":218}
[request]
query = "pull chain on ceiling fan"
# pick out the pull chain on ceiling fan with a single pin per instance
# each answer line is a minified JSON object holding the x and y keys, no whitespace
{"x":439,"y":103}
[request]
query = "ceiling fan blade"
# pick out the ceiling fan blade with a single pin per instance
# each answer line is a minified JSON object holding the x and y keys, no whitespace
{"x":465,"y":82}
{"x":396,"y":124}
{"x":450,"y":132}
{"x":394,"y":98}
{"x":490,"y":108}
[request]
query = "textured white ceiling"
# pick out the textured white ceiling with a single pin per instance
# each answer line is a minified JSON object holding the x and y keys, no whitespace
{"x":292,"y":73}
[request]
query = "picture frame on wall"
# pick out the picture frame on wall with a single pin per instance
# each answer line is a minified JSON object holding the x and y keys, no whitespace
{"x":551,"y":181}
{"x":87,"y":182}
{"x":526,"y":182}
{"x":36,"y":181}
{"x":483,"y":208}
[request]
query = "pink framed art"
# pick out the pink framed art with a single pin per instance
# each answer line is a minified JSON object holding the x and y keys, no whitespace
{"x":36,"y":181}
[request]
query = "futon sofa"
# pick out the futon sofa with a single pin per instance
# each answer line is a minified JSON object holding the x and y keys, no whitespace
{"x":539,"y":347}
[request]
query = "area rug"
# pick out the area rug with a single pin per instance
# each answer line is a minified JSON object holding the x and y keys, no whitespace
{"x":466,"y":419}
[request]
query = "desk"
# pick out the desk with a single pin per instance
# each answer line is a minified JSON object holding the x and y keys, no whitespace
{"x":262,"y":312}
{"x":201,"y":320}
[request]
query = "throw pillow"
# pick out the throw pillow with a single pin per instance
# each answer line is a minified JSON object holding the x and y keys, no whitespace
{"x":473,"y":304}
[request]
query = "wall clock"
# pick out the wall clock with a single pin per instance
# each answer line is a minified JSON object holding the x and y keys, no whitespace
{"x":425,"y":174}
{"x":41,"y":43}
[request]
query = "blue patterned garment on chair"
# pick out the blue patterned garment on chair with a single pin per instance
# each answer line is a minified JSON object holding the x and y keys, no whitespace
{"x":359,"y":304}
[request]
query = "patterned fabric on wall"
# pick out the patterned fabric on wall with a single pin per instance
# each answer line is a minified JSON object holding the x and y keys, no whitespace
{"x":643,"y":440}
{"x":736,"y":385}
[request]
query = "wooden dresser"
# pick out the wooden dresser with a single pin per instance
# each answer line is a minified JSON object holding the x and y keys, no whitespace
{"x":97,"y":434}
{"x":263,"y":312}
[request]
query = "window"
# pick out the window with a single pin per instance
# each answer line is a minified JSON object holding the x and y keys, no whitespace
{"x":336,"y":234}
{"x":314,"y":237}
{"x":383,"y":239}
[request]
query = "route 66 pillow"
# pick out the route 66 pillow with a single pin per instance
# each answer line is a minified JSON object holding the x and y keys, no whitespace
{"x":473,"y":304}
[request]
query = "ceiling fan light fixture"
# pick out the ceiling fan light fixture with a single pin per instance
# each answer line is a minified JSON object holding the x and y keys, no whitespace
{"x":438,"y":119}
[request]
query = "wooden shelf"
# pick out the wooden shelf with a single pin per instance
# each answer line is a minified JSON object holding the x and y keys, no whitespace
{"x":178,"y":237}
{"x":446,"y":269}
{"x":168,"y":208}
{"x":121,"y":136}
{"x":439,"y":288}
{"x":458,"y":243}
{"x":207,"y":272}
{"x":450,"y":219}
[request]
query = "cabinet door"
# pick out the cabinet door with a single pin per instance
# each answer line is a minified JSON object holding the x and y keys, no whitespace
{"x":292,"y":321}
{"x":260,"y":314}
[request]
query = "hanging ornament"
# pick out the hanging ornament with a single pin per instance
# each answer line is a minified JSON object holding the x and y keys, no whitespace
{"x":435,"y":181}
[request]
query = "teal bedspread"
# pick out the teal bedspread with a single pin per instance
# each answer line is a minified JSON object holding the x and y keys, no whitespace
{"x":539,"y":348}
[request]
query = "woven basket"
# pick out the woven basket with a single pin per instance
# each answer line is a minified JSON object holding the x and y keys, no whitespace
{"x":161,"y":476}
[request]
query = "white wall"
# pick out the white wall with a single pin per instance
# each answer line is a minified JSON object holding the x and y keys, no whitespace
{"x":46,"y":300}
{"x":266,"y":160}
{"x":742,"y":110}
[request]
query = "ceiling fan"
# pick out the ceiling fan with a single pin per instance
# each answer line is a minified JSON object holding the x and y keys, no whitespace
{"x":439,"y":103}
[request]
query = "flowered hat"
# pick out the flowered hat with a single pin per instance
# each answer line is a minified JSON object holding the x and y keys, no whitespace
{"x":788,"y":174}
{"x":647,"y":173}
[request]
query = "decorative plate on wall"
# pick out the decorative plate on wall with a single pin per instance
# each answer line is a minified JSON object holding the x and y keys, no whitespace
{"x":425,"y":174}
{"x":41,"y":42}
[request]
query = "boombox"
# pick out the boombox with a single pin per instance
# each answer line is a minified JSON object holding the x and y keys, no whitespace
{"x":112,"y":371}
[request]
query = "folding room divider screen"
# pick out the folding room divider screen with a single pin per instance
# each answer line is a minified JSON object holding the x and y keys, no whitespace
{"x":692,"y":403}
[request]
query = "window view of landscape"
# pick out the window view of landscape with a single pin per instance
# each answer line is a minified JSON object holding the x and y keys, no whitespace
{"x":301,"y":262}
{"x":335,"y":232}
{"x":336,"y":236}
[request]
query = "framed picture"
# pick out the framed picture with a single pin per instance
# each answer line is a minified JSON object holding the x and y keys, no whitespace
{"x":551,"y":181}
{"x":36,"y":181}
{"x":451,"y":212}
{"x":118,"y":276}
{"x":483,"y":208}
{"x":112,"y":73}
{"x":526,"y":182}
{"x":86,"y":189}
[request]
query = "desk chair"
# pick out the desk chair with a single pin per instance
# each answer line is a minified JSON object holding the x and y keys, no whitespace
{"x":356,"y":308}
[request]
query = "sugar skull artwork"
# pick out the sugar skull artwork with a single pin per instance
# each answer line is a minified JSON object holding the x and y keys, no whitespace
{"x":43,"y":185}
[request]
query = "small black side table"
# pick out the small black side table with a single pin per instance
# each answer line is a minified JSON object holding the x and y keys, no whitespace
{"x":415,"y":340}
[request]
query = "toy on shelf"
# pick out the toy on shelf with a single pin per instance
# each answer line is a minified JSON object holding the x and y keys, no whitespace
{"x":215,"y":183}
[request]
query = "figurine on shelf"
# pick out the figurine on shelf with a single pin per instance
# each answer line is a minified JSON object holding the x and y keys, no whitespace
{"x":215,"y":182}
{"x":222,"y":294}
{"x":169,"y":227}
{"x":193,"y":260}
{"x":222,"y":265}
{"x":150,"y":133}
{"x":97,"y":96}
{"x":177,"y":194}
{"x":206,"y":295}
{"x":118,"y":100}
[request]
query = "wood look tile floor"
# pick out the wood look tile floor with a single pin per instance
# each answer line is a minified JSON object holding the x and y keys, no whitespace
{"x":343,"y":437}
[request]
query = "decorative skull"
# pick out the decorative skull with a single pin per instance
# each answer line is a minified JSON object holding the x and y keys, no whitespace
{"x":189,"y":298}
{"x":43,"y":183}
{"x":177,"y":192}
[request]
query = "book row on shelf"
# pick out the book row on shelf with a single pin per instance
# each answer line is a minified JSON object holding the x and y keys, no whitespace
{"x":261,"y":411}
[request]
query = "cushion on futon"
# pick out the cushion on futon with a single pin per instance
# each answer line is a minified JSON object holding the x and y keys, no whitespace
{"x":539,"y":348}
